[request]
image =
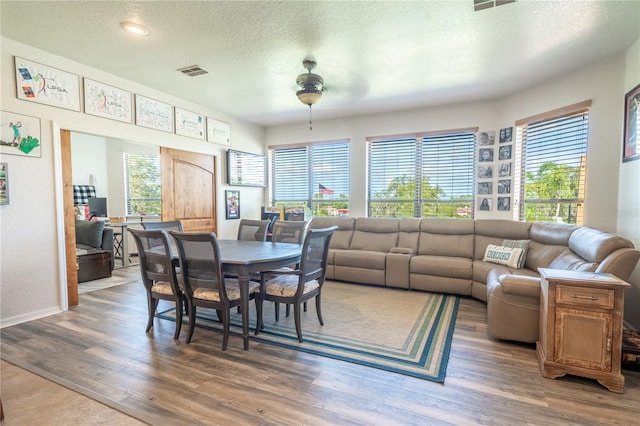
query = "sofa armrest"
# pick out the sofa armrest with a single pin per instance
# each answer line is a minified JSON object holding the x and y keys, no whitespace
{"x":403,"y":250}
{"x":520,"y":285}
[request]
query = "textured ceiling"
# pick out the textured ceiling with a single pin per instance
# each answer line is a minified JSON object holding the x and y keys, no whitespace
{"x":373,"y":56}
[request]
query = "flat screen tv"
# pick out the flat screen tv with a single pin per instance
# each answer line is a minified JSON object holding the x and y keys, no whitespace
{"x":97,"y":207}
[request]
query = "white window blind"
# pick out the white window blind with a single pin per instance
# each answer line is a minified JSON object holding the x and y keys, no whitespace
{"x":315,"y":175}
{"x":553,"y":175}
{"x":426,"y":176}
{"x":142,"y":181}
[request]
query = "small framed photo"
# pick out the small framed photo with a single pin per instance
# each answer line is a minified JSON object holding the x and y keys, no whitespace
{"x":20,"y":135}
{"x":504,"y":186}
{"x":4,"y":183}
{"x":504,"y":152}
{"x":504,"y":170}
{"x":504,"y":203}
{"x":486,"y":138}
{"x":189,"y":124}
{"x":485,"y":172}
{"x":232,"y":203}
{"x":485,"y":203}
{"x":631,"y":142}
{"x":506,"y":134}
{"x":485,"y":155}
{"x":485,"y":188}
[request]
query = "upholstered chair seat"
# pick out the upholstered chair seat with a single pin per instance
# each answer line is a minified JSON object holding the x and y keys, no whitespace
{"x":232,"y":288}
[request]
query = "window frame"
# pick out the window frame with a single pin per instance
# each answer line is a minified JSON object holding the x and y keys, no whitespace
{"x":156,"y":159}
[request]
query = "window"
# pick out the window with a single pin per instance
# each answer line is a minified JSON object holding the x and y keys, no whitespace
{"x":553,"y":158}
{"x":429,"y":175}
{"x":315,"y":176}
{"x":142,"y":181}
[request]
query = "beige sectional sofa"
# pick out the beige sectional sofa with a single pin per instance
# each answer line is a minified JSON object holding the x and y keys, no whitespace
{"x":446,"y":256}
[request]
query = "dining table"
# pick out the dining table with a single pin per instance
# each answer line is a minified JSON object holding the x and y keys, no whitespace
{"x":244,"y":258}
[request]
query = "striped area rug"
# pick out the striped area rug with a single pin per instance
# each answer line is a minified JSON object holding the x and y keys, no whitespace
{"x":401,"y":331}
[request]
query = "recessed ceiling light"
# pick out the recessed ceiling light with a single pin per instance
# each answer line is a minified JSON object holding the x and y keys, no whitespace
{"x":133,"y":28}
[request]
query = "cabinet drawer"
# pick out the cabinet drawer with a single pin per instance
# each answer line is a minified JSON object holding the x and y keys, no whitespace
{"x":594,"y":297}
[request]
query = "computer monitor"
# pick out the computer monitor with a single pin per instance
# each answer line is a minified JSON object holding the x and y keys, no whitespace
{"x":97,"y":207}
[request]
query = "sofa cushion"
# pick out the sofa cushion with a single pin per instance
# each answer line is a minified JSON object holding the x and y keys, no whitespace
{"x":364,"y":259}
{"x":89,"y":232}
{"x":502,"y":255}
{"x":446,"y":237}
{"x":570,"y":261}
{"x":521,"y":244}
{"x":593,"y":245}
{"x":442,"y":266}
{"x":341,"y":237}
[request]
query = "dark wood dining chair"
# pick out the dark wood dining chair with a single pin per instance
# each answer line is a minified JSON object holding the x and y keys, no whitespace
{"x":168,"y":225}
{"x":253,"y":230}
{"x":294,"y":287}
{"x":204,"y":283}
{"x":158,"y":270}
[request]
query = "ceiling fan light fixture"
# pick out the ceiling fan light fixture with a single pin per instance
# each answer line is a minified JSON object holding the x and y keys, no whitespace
{"x":309,"y":96}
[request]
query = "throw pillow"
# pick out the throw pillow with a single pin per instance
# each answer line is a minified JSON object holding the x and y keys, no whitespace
{"x":89,"y":232}
{"x":502,"y":255}
{"x":521,"y":244}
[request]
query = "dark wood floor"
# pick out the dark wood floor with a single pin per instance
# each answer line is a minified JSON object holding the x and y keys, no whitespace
{"x":101,"y":344}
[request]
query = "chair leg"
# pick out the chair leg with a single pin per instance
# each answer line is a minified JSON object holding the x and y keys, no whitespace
{"x":225,"y":328}
{"x":259,"y":321}
{"x":152,"y":304}
{"x":296,"y":316}
{"x":319,"y":309}
{"x":179,"y":314}
{"x":288,"y":310}
{"x":192,"y":322}
{"x":305,"y":306}
{"x":277,"y":306}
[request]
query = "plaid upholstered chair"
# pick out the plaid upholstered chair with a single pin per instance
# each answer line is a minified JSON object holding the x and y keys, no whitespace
{"x":296,"y":286}
{"x":204,"y":284}
{"x":158,"y":270}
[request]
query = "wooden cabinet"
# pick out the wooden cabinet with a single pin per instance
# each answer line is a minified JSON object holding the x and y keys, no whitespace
{"x":581,"y":326}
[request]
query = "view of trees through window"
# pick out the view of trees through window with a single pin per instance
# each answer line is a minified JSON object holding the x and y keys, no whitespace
{"x":554,"y":168}
{"x":142,"y":180}
{"x":314,"y":177}
{"x":426,"y":176}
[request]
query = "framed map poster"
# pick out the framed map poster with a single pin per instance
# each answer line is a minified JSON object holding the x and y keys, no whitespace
{"x":153,"y":114}
{"x":46,"y":85}
{"x":189,"y":124}
{"x":107,"y":101}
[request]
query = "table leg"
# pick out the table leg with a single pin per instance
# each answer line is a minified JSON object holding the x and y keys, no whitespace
{"x":243,"y":280}
{"x":125,"y":247}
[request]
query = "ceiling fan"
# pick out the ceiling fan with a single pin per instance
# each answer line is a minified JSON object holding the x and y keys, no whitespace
{"x":311,"y":86}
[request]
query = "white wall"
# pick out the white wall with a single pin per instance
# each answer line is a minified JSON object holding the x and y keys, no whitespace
{"x":32,"y":275}
{"x":628,"y":212}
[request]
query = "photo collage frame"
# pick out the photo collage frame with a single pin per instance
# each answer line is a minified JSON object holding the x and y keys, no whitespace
{"x":493,"y":170}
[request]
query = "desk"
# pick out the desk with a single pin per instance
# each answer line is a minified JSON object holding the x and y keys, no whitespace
{"x":244,"y":258}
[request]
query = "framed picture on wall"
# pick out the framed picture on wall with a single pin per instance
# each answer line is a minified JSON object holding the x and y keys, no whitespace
{"x":107,"y":101}
{"x":631,"y":141}
{"x":232,"y":204}
{"x":189,"y":124}
{"x":153,"y":114}
{"x":47,"y":85}
{"x":4,"y":183}
{"x":20,"y":135}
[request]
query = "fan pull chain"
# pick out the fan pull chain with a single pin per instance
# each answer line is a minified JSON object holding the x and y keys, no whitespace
{"x":310,"y":128}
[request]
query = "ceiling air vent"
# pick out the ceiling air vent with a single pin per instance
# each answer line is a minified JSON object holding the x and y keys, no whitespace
{"x":193,"y":71}
{"x":486,"y":4}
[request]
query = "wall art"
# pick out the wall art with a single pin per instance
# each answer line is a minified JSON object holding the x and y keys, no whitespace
{"x":232,"y":203}
{"x":189,"y":124}
{"x":153,"y":114}
{"x":20,"y":134}
{"x":46,"y":85}
{"x":4,"y":183}
{"x":107,"y":101}
{"x":631,"y":141}
{"x":504,"y":203}
{"x":218,"y":132}
{"x":486,"y":138}
{"x":506,"y":134}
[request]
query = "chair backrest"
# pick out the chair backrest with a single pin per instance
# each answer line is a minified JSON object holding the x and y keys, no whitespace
{"x":156,"y":257}
{"x":253,"y":230}
{"x":169,"y":225}
{"x":288,"y":231}
{"x":314,"y":254}
{"x":200,"y":265}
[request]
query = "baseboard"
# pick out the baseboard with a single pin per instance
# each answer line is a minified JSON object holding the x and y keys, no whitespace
{"x":19,"y":319}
